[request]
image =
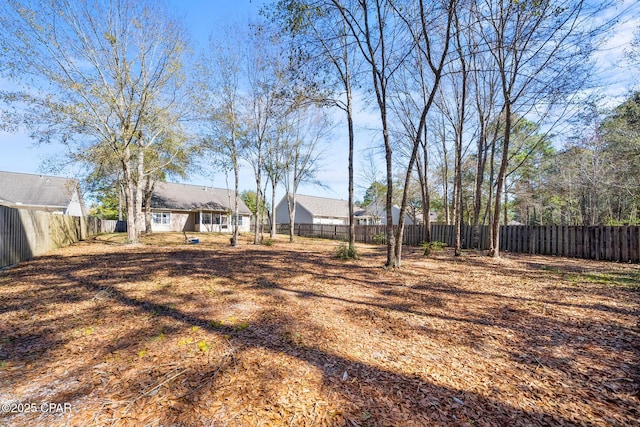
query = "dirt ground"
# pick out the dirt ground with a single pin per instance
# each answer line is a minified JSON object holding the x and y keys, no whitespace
{"x":170,"y":334}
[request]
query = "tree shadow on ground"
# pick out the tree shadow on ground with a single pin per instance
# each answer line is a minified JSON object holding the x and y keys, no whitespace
{"x":350,"y":390}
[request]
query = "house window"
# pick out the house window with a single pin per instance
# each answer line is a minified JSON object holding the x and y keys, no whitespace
{"x":207,"y":218}
{"x":233,"y":219}
{"x":161,"y":218}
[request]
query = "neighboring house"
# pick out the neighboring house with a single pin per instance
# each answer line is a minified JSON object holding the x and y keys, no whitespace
{"x":377,"y":215}
{"x":314,"y":210}
{"x":185,"y":207}
{"x":322,"y":210}
{"x":419,"y":218}
{"x":41,"y":192}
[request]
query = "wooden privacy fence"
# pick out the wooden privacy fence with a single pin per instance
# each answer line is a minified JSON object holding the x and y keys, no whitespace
{"x":26,"y":233}
{"x":619,"y":243}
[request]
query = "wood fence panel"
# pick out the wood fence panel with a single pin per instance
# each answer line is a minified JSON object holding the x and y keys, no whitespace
{"x":592,"y":242}
{"x":616,"y":244}
{"x":26,"y":233}
{"x":624,"y":244}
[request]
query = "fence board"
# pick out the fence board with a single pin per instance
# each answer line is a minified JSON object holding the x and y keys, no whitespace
{"x":26,"y":233}
{"x":593,"y":242}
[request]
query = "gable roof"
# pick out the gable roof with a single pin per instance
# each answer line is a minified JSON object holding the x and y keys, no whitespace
{"x":36,"y":190}
{"x":323,"y":206}
{"x":187,"y":197}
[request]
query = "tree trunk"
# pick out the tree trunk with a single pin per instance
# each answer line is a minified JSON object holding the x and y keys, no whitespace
{"x":236,"y":175}
{"x":139,"y":194}
{"x":148,"y":194}
{"x":132,"y":234}
{"x":495,"y":226}
{"x":256,"y":232}
{"x":272,"y":232}
{"x":505,"y":213}
{"x":291,"y":205}
{"x":479,"y":181}
{"x":488,"y":218}
{"x":352,"y":227}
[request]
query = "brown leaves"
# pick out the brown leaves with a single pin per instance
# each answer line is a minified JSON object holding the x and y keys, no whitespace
{"x":257,"y":336}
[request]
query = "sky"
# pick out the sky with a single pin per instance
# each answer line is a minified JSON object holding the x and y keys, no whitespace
{"x":204,"y":17}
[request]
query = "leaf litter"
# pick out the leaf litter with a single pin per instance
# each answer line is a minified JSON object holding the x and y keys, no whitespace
{"x":168,"y":334}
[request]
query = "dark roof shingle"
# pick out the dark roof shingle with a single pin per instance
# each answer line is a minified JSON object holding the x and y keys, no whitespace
{"x":324,"y":207}
{"x":36,"y":190}
{"x":187,"y":197}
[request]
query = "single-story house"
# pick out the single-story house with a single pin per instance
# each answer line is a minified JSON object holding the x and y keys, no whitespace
{"x":377,"y":215}
{"x":186,"y":207}
{"x":322,"y":210}
{"x":314,"y":210}
{"x":41,"y":192}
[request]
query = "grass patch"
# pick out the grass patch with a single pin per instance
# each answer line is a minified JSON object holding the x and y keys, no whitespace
{"x":203,"y":346}
{"x":241,"y":326}
{"x":215,"y":324}
{"x":627,"y":279}
{"x":159,"y":337}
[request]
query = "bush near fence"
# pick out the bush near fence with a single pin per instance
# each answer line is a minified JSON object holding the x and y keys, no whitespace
{"x":26,"y":233}
{"x":612,"y":243}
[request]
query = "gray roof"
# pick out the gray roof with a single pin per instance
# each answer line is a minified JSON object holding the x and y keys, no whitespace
{"x":187,"y":197}
{"x":322,"y":206}
{"x":36,"y":190}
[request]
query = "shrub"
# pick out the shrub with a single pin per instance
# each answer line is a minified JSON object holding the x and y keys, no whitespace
{"x":346,"y":252}
{"x":432,"y":247}
{"x":379,"y":238}
{"x":268,"y":242}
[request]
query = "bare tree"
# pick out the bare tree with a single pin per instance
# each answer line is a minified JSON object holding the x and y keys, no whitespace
{"x":540,"y":50}
{"x":99,"y":74}
{"x":263,"y":69}
{"x":317,"y":27}
{"x":308,"y":128}
{"x":379,"y":36}
{"x":431,"y":33}
{"x":223,"y":109}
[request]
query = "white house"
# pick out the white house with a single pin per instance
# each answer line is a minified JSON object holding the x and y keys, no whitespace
{"x":41,"y":192}
{"x":186,"y":207}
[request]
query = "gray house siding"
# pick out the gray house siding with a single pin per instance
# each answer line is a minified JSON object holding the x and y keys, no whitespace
{"x":303,"y":216}
{"x":314,"y":210}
